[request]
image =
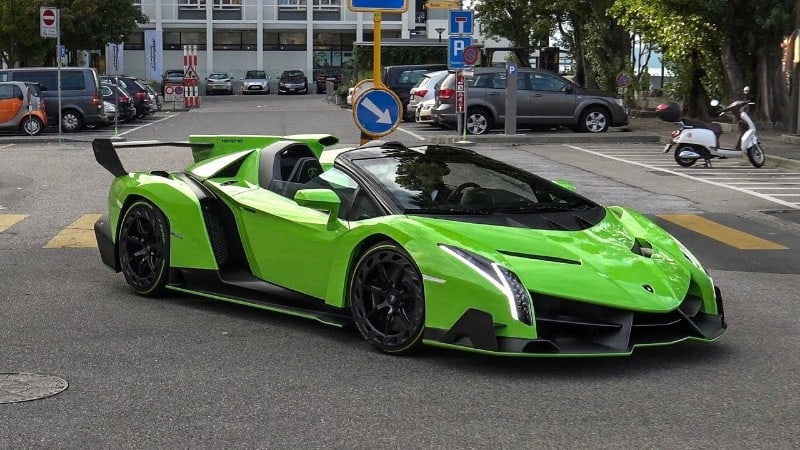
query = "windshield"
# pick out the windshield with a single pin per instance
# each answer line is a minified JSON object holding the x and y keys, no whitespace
{"x":255,"y":74}
{"x":438,"y":182}
{"x":293,"y":74}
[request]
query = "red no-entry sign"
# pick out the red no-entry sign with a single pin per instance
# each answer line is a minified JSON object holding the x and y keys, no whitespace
{"x":48,"y":23}
{"x":48,"y":17}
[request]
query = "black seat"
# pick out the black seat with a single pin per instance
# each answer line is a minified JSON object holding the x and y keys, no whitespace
{"x":304,"y":170}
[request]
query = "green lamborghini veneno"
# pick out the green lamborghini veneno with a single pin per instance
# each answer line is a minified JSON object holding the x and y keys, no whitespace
{"x":433,"y":245}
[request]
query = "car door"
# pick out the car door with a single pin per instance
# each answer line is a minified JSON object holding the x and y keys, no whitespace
{"x":10,"y":103}
{"x":291,"y":245}
{"x":553,"y":100}
{"x":495,"y":94}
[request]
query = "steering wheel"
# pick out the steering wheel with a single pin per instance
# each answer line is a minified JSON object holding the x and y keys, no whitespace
{"x":456,"y":194}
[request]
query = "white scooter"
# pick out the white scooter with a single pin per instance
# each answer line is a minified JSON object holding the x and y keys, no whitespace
{"x":699,"y":140}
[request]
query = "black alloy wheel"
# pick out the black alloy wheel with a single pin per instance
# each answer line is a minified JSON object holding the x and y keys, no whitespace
{"x":144,"y":249}
{"x":387,"y":299}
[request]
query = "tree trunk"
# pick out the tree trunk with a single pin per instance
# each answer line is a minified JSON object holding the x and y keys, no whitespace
{"x":733,"y":71}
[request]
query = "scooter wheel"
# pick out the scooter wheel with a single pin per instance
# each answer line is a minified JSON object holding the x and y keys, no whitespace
{"x":756,"y":155}
{"x":684,"y":162}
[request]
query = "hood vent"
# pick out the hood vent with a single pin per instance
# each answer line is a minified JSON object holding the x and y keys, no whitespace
{"x":642,"y":247}
{"x":541,"y":257}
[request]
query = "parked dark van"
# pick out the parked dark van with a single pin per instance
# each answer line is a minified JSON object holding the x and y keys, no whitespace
{"x":400,"y":79}
{"x":81,"y":102}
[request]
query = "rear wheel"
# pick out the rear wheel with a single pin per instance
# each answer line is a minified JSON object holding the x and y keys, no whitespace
{"x":685,"y":162}
{"x":756,"y":155}
{"x":71,"y":121}
{"x":143,"y":245}
{"x":387,"y":299}
{"x":479,"y":121}
{"x":32,"y":125}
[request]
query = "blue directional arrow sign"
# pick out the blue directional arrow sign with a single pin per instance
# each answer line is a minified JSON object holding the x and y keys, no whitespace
{"x":378,"y":5}
{"x":455,"y":51}
{"x":377,"y":112}
{"x":461,"y":21}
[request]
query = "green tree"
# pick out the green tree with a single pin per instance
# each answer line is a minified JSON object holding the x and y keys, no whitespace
{"x":85,"y":24}
{"x":716,"y":47}
{"x":526,"y":23}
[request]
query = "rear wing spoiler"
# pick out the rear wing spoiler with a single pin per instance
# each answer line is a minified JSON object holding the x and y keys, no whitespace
{"x":105,"y":151}
{"x":205,"y":146}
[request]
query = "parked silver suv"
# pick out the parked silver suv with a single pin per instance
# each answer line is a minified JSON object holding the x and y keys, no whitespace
{"x":544,"y":100}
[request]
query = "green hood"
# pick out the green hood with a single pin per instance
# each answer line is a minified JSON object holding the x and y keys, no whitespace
{"x":602,"y":264}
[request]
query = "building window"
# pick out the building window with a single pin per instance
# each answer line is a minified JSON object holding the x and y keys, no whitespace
{"x":290,"y":40}
{"x":135,"y":41}
{"x":201,"y":4}
{"x":327,"y":4}
{"x":288,"y":5}
{"x":174,"y":40}
{"x":227,"y":40}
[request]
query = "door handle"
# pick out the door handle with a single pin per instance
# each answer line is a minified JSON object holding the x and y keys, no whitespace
{"x":492,"y":93}
{"x":538,"y":95}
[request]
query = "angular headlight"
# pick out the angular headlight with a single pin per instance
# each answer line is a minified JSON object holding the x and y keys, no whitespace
{"x":519,"y":300}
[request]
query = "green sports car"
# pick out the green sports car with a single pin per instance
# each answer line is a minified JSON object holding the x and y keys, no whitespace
{"x":433,"y":245}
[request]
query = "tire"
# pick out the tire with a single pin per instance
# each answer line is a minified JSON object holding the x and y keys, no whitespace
{"x":479,"y":121}
{"x":31,"y":125}
{"x":684,"y":162}
{"x":594,"y":119}
{"x":71,"y":121}
{"x":387,"y":299}
{"x":143,"y":245}
{"x":756,"y":155}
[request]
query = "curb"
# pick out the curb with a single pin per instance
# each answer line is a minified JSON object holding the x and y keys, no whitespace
{"x":535,"y":139}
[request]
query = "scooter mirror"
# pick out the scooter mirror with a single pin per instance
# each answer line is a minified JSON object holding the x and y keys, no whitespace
{"x":746,"y":90}
{"x":715,"y":102}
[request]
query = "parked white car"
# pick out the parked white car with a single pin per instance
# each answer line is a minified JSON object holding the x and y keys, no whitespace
{"x":424,"y":90}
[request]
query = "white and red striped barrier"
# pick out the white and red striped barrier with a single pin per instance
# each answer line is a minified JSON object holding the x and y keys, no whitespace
{"x":191,"y":82}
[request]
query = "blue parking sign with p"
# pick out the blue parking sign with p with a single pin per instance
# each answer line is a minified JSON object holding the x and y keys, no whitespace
{"x":455,"y":51}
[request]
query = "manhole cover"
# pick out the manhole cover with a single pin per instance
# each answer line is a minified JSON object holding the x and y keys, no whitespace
{"x":21,"y":387}
{"x":792,"y":215}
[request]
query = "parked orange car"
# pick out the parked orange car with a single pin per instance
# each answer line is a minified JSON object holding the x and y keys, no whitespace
{"x":22,"y":107}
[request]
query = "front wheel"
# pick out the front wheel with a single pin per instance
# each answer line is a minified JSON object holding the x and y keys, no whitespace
{"x":143,"y":244}
{"x":387,"y":299}
{"x":756,"y":155}
{"x":594,"y":120}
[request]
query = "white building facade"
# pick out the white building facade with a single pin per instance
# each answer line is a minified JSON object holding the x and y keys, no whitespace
{"x":272,"y":35}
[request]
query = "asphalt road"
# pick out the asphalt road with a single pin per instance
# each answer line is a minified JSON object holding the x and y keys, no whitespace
{"x":183,"y":372}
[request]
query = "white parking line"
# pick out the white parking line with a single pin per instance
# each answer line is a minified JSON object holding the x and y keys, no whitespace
{"x":6,"y":146}
{"x":684,"y":175}
{"x":411,"y":133}
{"x":148,"y":124}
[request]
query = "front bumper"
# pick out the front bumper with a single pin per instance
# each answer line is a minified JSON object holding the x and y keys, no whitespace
{"x":566,"y":328}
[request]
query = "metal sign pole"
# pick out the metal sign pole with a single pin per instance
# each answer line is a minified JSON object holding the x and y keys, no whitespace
{"x":58,"y":57}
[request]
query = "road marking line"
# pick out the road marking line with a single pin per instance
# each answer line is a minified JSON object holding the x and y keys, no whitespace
{"x":6,"y":146}
{"x":722,"y":233}
{"x":415,"y":135}
{"x":8,"y":220}
{"x":79,"y":234}
{"x":147,"y":124}
{"x":681,"y":174}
